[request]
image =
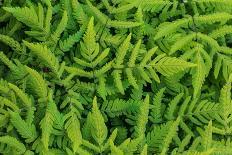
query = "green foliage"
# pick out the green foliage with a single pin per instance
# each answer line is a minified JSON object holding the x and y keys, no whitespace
{"x":120,"y":77}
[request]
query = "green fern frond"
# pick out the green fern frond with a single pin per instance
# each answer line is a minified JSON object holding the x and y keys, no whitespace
{"x":122,"y":50}
{"x":60,"y":28}
{"x":40,"y":26}
{"x":78,"y":12}
{"x":45,"y":55}
{"x":110,"y":23}
{"x":142,"y":118}
{"x":199,"y":74}
{"x":119,"y":107}
{"x":201,"y":112}
{"x":225,"y":100}
{"x":27,"y":131}
{"x":166,"y":29}
{"x":15,"y":45}
{"x":115,"y":150}
{"x":8,"y":103}
{"x":130,"y":146}
{"x":22,"y":95}
{"x":48,"y":121}
{"x":217,"y":5}
{"x":170,"y":65}
{"x":27,"y":15}
{"x":98,"y":128}
{"x":160,"y":142}
{"x":156,"y":110}
{"x":172,"y":107}
{"x":144,"y":151}
{"x":13,"y":143}
{"x":212,"y":18}
{"x":220,"y":32}
{"x":183,"y":41}
{"x":37,"y":83}
{"x":72,"y":127}
{"x":17,"y":69}
{"x":68,"y":43}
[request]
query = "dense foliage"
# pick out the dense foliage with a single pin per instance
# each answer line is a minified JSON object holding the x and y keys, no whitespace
{"x":118,"y":77}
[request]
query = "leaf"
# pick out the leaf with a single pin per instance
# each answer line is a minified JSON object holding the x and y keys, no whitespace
{"x":37,"y":83}
{"x":47,"y":122}
{"x":72,"y":127}
{"x":13,"y":143}
{"x":142,"y":118}
{"x":27,"y":131}
{"x":45,"y":55}
{"x":98,"y":128}
{"x":171,"y":65}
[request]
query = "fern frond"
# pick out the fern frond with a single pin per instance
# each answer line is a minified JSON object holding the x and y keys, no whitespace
{"x":117,"y":79}
{"x":6,"y":61}
{"x":22,"y":95}
{"x":89,"y":49}
{"x":129,"y":146}
{"x":166,"y":29}
{"x":115,"y":150}
{"x":40,"y":26}
{"x":202,"y":112}
{"x":110,"y":23}
{"x":78,"y":13}
{"x":172,"y":107}
{"x":170,"y":65}
{"x":142,"y":118}
{"x":60,"y":28}
{"x":220,"y":32}
{"x":98,"y":128}
{"x":122,"y":24}
{"x":27,"y":15}
{"x":27,"y":131}
{"x":37,"y":83}
{"x":6,"y":102}
{"x":222,"y":64}
{"x":80,"y":72}
{"x":225,"y":100}
{"x":15,"y":45}
{"x":198,"y":74}
{"x":68,"y":43}
{"x":72,"y":127}
{"x":45,"y":55}
{"x":156,"y":110}
{"x":212,"y":18}
{"x":213,"y":43}
{"x":216,"y":5}
{"x":48,"y":121}
{"x":122,"y":50}
{"x":13,"y":143}
{"x":160,"y":142}
{"x":207,"y":138}
{"x":144,"y":151}
{"x":183,"y":41}
{"x":154,"y":6}
{"x":119,"y":107}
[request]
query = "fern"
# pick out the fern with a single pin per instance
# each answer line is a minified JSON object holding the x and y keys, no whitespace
{"x":45,"y":55}
{"x":161,"y":142}
{"x":37,"y":83}
{"x":11,"y":145}
{"x":73,"y":129}
{"x":98,"y":127}
{"x":142,"y":119}
{"x":115,"y":77}
{"x":27,"y":131}
{"x":47,"y":122}
{"x":40,"y":25}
